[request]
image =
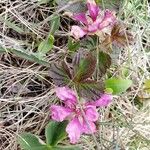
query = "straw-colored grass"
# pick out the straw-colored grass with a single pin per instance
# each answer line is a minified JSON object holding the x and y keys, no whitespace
{"x":22,"y":25}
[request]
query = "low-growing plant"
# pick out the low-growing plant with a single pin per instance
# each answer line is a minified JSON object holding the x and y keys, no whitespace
{"x":81,"y":84}
{"x":54,"y":133}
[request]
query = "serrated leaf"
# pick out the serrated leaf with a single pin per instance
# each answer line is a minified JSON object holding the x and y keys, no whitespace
{"x":89,"y":43}
{"x":118,"y":85}
{"x":85,"y":67}
{"x":29,"y":141}
{"x":55,"y":23}
{"x":60,"y":74}
{"x":46,"y":45}
{"x":104,"y":63}
{"x":63,"y":75}
{"x":55,"y":132}
{"x":90,"y":89}
{"x":147,"y":85}
{"x":66,"y":148}
{"x":119,"y":37}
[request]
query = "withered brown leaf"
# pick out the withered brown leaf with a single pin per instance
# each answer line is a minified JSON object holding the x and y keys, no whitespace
{"x":119,"y":37}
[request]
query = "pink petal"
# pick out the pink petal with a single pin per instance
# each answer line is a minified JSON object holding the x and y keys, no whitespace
{"x":89,"y":128}
{"x":93,"y":9}
{"x":104,"y":100}
{"x":74,"y":130}
{"x":91,"y":113}
{"x":59,"y":113}
{"x":77,"y":32}
{"x":80,"y":17}
{"x":93,"y":27}
{"x":109,"y":19}
{"x":67,"y":95}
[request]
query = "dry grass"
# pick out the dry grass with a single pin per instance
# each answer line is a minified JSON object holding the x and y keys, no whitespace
{"x":26,"y":90}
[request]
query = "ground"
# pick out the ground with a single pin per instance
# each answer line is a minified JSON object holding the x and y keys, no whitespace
{"x":26,"y":88}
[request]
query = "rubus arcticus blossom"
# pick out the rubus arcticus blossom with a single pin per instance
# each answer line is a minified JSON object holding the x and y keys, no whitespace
{"x":81,"y":117}
{"x":94,"y":21}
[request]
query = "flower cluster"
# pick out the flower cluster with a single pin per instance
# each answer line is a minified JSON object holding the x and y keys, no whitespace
{"x":94,"y":21}
{"x":82,"y":117}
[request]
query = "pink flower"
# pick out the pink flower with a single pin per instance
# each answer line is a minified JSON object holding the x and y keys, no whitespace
{"x":92,"y":22}
{"x":79,"y":123}
{"x":108,"y":20}
{"x":66,"y":94}
{"x":77,"y":32}
{"x":59,"y":113}
{"x":103,"y":101}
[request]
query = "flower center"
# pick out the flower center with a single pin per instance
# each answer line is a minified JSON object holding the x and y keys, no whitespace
{"x":78,"y":111}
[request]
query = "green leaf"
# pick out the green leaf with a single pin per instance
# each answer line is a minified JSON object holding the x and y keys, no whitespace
{"x":30,"y":57}
{"x":89,"y":43}
{"x":44,"y":147}
{"x":66,"y":148}
{"x":29,"y":141}
{"x":2,"y":50}
{"x":73,"y":45}
{"x":39,"y":55}
{"x":108,"y":90}
{"x":118,"y":85}
{"x":104,"y":63}
{"x":43,"y":2}
{"x":147,"y":85}
{"x":55,"y":23}
{"x":11,"y":25}
{"x":26,"y":55}
{"x":46,"y":45}
{"x":55,"y":132}
{"x":84,"y":66}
